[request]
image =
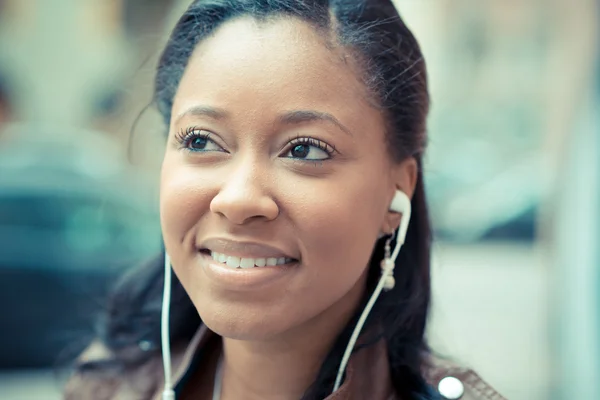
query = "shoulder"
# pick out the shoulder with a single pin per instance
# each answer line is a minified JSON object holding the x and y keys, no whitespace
{"x":456,"y":382}
{"x":97,"y":376}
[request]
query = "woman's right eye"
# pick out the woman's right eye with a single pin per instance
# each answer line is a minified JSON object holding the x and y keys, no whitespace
{"x":197,"y":140}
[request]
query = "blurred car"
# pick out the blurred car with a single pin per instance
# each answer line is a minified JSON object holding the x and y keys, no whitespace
{"x":73,"y":216}
{"x":501,"y":207}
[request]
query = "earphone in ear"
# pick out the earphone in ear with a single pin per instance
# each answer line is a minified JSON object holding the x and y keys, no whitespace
{"x":401,"y":204}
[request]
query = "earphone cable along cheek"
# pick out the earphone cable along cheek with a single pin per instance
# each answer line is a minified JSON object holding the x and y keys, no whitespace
{"x":400,"y":204}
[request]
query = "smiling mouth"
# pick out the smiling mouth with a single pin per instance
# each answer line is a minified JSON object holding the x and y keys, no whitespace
{"x":235,"y":262}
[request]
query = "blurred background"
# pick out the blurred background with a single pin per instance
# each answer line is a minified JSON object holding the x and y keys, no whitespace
{"x":513,"y":174}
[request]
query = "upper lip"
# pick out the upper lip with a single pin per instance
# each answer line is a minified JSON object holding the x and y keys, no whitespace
{"x":243,"y":249}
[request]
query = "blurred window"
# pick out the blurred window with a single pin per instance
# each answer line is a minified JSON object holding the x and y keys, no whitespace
{"x":83,"y":224}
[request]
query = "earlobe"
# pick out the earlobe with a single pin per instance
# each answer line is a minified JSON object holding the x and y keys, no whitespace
{"x":391,"y":223}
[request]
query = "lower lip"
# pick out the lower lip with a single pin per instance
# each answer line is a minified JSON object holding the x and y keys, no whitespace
{"x":244,"y":278}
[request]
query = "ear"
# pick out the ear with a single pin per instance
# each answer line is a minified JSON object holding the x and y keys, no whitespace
{"x":404,"y":177}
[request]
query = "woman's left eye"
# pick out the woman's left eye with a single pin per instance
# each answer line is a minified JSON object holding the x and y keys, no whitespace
{"x":308,"y":149}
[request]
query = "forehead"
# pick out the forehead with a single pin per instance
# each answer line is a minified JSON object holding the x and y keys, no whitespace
{"x":277,"y":65}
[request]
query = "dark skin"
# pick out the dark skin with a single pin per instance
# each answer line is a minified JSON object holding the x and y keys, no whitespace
{"x":259,"y":91}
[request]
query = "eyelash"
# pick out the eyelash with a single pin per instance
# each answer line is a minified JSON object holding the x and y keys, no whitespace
{"x":185,"y":136}
{"x":310,"y":141}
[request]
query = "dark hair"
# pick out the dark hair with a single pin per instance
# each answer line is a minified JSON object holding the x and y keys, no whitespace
{"x":394,"y":72}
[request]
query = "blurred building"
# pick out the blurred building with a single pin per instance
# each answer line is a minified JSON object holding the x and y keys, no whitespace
{"x":507,"y":79}
{"x":79,"y":62}
{"x":6,"y":106}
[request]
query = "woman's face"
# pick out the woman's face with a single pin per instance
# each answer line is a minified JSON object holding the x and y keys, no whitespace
{"x":276,"y":180}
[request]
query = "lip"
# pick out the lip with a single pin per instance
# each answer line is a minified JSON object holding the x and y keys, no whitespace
{"x":244,"y":279}
{"x":243,"y":249}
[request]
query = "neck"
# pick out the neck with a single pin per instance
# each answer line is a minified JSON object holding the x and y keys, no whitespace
{"x":284,"y":367}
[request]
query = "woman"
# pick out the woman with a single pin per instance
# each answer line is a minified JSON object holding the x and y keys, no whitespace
{"x":296,"y":134}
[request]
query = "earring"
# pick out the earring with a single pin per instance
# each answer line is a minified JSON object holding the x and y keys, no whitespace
{"x":387,"y":265}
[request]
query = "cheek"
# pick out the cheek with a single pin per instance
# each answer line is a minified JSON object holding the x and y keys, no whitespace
{"x":184,"y":200}
{"x":337,"y":229}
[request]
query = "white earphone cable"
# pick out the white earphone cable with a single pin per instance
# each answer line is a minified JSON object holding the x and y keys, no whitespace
{"x":363,"y":318}
{"x":402,"y":229}
{"x":168,"y":392}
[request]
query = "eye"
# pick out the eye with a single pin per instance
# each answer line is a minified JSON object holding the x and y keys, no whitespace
{"x":197,"y":140}
{"x":306,"y":148}
{"x":202,"y":143}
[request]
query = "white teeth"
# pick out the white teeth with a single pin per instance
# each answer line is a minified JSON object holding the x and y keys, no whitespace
{"x":233,"y":261}
{"x":271,"y":261}
{"x":260,"y":262}
{"x":247,"y":263}
{"x":237,"y":262}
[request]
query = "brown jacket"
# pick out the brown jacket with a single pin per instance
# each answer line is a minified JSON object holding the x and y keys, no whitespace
{"x":367,"y":376}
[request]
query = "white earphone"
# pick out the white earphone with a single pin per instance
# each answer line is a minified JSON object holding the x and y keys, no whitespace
{"x":400,"y":204}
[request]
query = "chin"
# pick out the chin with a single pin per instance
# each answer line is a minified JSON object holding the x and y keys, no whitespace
{"x":243,"y":321}
{"x":243,"y":328}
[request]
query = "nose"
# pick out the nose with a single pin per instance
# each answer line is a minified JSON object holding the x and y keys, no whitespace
{"x":244,"y":197}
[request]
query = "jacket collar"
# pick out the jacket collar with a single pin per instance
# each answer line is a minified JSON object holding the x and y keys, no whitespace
{"x":367,"y":373}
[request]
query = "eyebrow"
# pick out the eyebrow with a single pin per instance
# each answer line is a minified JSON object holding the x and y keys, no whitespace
{"x":300,"y":116}
{"x":290,"y":117}
{"x":204,"y":111}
